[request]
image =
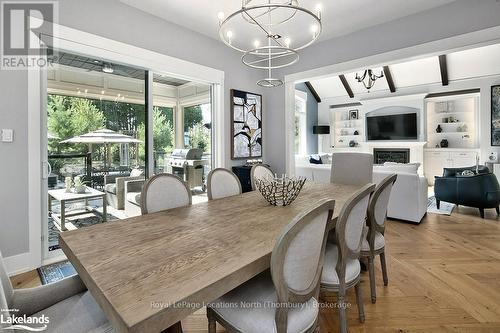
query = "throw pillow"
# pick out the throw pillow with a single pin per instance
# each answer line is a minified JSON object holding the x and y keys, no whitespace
{"x":315,"y":159}
{"x":467,"y":173}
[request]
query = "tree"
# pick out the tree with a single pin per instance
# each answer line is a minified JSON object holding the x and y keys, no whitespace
{"x":192,"y":116}
{"x":163,"y":133}
{"x":199,"y":137}
{"x":59,"y":120}
{"x":86,"y":117}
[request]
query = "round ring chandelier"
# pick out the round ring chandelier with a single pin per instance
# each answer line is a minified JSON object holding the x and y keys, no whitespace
{"x":269,"y":33}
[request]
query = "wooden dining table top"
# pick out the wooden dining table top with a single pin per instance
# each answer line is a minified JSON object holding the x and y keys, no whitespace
{"x":149,"y":272}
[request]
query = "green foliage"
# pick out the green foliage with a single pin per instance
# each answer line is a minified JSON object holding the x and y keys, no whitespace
{"x":199,"y":137}
{"x":192,"y":116}
{"x":69,"y":117}
{"x":163,"y":133}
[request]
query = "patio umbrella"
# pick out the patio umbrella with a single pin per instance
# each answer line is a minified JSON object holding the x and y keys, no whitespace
{"x":102,"y":136}
{"x":51,"y":136}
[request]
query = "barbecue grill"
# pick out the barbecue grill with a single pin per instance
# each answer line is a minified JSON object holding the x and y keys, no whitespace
{"x":187,"y":164}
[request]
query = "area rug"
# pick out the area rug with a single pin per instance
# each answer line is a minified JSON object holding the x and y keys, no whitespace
{"x":445,"y":208}
{"x":55,"y":272}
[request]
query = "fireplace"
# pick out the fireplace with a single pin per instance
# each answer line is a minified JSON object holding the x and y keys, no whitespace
{"x":398,"y":155}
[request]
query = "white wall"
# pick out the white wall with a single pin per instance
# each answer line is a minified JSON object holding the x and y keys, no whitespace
{"x":114,"y":20}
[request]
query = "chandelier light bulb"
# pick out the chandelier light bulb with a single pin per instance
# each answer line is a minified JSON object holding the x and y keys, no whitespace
{"x":229,"y":35}
{"x":256,"y":43}
{"x":288,"y":42}
{"x":314,"y":30}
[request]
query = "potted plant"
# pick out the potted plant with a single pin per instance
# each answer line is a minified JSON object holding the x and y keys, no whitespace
{"x":79,"y":185}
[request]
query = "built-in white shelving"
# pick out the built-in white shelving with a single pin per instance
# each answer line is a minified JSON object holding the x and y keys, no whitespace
{"x":345,"y":129}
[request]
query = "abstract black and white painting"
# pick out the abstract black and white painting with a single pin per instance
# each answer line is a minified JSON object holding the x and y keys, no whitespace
{"x":246,"y":113}
{"x":495,"y":115}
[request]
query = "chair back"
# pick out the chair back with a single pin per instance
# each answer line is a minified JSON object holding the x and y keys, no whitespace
{"x":350,"y":224}
{"x":222,"y":183}
{"x":6,"y":292}
{"x":164,"y":191}
{"x":352,"y":168}
{"x":377,"y":210}
{"x":297,"y":258}
{"x":260,"y":171}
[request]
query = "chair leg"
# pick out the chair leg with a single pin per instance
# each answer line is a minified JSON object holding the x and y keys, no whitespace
{"x":481,"y":211}
{"x":371,"y":271}
{"x":359,"y":300}
{"x":211,"y":321}
{"x":498,"y":210}
{"x":342,"y":311}
{"x":384,"y":269}
{"x":438,"y":203}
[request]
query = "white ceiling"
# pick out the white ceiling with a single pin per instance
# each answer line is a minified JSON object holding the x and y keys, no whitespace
{"x":340,"y":17}
{"x":467,"y":64}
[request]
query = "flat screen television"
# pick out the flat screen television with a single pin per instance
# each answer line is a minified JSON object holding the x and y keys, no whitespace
{"x":392,"y":127}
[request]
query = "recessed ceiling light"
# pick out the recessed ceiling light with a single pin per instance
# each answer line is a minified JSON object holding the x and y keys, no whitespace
{"x":107,"y":68}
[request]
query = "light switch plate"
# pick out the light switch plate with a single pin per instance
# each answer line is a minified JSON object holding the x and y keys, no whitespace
{"x":7,"y":135}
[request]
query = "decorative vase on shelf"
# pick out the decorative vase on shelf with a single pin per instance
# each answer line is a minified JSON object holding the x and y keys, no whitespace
{"x":352,"y":143}
{"x":356,"y":133}
{"x":68,"y":181}
{"x":439,"y":129}
{"x":444,"y":143}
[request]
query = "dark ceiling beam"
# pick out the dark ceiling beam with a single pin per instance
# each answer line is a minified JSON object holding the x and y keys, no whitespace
{"x":444,"y":69}
{"x":313,"y":91}
{"x":346,"y":105}
{"x":390,"y":81}
{"x":346,"y":85}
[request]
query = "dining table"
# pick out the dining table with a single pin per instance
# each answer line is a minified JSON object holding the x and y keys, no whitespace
{"x":149,"y":272}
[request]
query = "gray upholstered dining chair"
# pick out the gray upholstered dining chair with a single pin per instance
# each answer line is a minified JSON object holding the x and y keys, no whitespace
{"x":260,"y":171}
{"x":296,"y":264}
{"x":341,"y":269}
{"x":352,"y":168}
{"x":67,"y":304}
{"x":222,"y":183}
{"x":374,"y":243}
{"x":164,"y":191}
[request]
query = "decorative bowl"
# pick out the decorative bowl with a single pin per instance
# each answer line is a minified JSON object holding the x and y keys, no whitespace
{"x":280,"y":191}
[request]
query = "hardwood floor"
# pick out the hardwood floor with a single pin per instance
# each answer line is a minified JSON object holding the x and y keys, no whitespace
{"x":444,"y":276}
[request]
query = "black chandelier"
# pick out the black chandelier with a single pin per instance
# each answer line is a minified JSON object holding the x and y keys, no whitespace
{"x":368,"y":78}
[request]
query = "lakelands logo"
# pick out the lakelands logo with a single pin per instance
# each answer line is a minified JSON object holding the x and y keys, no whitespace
{"x":32,"y":324}
{"x":27,"y":30}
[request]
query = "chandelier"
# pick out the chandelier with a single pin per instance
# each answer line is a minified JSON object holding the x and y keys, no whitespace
{"x":269,"y":33}
{"x":368,"y":78}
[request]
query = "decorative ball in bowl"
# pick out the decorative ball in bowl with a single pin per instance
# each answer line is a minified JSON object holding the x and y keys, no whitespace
{"x":280,"y":191}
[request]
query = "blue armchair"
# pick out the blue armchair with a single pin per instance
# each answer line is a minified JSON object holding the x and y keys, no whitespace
{"x":480,"y":190}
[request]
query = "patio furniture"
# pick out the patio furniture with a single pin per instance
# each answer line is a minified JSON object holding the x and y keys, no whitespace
{"x":66,"y":197}
{"x":114,"y":186}
{"x":133,"y":189}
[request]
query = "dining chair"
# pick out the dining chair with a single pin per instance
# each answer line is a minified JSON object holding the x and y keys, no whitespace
{"x":67,"y":304}
{"x":296,"y":264}
{"x":341,"y":269}
{"x":352,"y":168}
{"x":260,"y":171}
{"x":374,"y":243}
{"x":222,"y":183}
{"x":164,"y":191}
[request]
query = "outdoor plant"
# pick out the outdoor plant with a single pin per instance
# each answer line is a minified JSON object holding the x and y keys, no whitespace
{"x":79,"y":184}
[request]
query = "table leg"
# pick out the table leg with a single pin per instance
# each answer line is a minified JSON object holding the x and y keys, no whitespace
{"x":63,"y":215}
{"x":104,"y":209}
{"x":176,"y":328}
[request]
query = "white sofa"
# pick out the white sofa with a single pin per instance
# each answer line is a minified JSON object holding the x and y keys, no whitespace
{"x":408,"y":199}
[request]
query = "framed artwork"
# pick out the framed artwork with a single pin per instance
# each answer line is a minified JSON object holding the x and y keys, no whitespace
{"x":495,"y":115}
{"x":246,"y":125}
{"x":353,"y":114}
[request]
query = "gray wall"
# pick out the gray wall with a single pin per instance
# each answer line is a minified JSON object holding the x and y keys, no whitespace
{"x":311,"y":119}
{"x":114,"y":20}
